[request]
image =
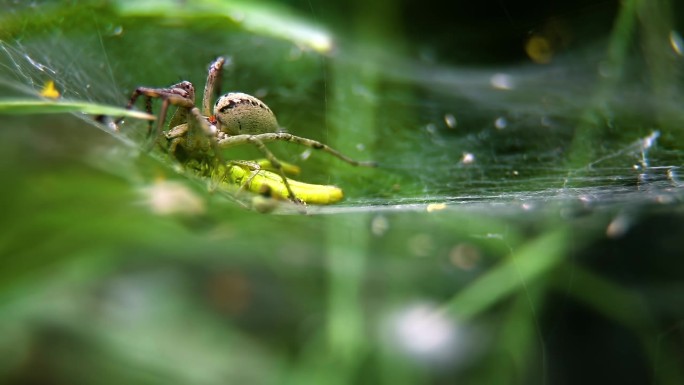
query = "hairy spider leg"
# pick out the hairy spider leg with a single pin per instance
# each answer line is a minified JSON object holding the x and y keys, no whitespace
{"x":180,"y":95}
{"x":213,"y":85}
{"x":148,"y":106}
{"x":275,"y":163}
{"x":287,"y":137}
{"x":170,"y":99}
{"x":259,"y":139}
{"x":148,"y":109}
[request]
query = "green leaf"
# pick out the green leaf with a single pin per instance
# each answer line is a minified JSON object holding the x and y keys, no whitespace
{"x":36,"y":106}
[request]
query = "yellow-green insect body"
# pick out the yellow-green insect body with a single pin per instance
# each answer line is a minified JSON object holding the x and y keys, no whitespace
{"x":263,"y":181}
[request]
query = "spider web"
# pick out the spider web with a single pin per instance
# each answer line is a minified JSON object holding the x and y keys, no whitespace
{"x":502,"y":135}
{"x":474,"y":141}
{"x":526,"y":137}
{"x":90,"y":64}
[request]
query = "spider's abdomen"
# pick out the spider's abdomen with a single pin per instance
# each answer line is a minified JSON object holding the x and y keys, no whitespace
{"x":240,"y":113}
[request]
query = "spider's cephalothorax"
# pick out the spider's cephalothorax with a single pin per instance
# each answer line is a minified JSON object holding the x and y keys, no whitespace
{"x":237,"y":119}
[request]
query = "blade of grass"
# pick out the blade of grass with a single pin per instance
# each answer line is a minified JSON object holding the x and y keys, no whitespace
{"x":524,"y":266}
{"x":36,"y":106}
{"x":268,"y":19}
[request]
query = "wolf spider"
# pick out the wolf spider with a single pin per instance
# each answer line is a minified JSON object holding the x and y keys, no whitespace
{"x":237,"y":119}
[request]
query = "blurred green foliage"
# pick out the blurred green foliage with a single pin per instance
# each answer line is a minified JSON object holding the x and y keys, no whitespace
{"x":550,"y":254}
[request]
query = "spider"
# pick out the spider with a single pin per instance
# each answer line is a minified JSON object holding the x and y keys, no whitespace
{"x":236,"y":119}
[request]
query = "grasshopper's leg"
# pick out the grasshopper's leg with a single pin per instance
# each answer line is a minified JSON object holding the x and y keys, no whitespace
{"x":288,"y":168}
{"x":287,"y":137}
{"x":254,"y":168}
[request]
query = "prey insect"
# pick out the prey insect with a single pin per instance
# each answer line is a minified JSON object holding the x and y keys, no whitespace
{"x":196,"y":137}
{"x":269,"y":183}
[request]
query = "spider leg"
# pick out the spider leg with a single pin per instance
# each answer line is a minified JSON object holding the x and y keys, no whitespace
{"x":174,"y":143}
{"x":287,"y":137}
{"x":276,"y":165}
{"x":160,"y":123}
{"x":148,"y":109}
{"x":213,"y":84}
{"x":181,"y":94}
{"x":167,"y":99}
{"x":134,"y":97}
